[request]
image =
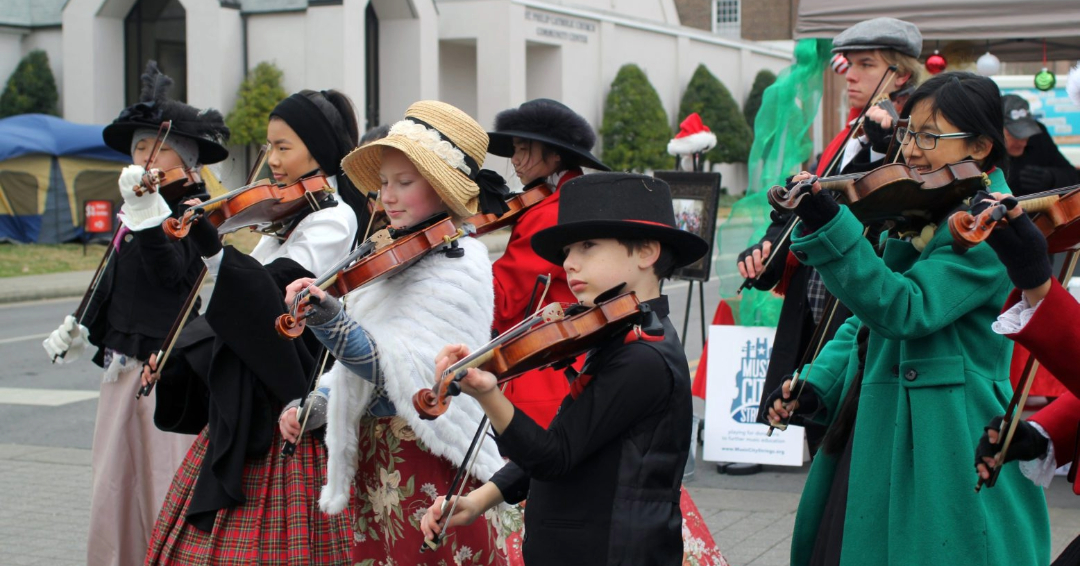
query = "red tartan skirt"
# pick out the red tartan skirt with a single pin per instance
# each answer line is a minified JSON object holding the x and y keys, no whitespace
{"x":280,"y":524}
{"x":397,"y":479}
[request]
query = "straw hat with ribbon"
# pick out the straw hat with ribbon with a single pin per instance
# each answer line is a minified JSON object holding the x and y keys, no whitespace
{"x":447,"y":147}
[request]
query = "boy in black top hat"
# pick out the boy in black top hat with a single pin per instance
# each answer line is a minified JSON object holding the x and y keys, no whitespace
{"x":603,"y":480}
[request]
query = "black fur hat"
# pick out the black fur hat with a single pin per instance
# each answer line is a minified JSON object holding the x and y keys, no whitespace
{"x":550,"y":122}
{"x":206,"y":127}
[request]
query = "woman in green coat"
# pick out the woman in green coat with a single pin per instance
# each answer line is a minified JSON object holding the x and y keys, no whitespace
{"x":908,"y":382}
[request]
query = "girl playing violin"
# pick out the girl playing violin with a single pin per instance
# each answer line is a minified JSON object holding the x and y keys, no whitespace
{"x":235,"y":498}
{"x":909,"y":377}
{"x":385,"y":339}
{"x":1040,"y":315}
{"x":546,"y":143}
{"x":603,"y":479}
{"x":142,"y":290}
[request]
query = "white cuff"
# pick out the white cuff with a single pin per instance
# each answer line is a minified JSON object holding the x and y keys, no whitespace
{"x":1014,"y":319}
{"x":1041,"y":471}
{"x":152,"y":215}
{"x":213,"y":263}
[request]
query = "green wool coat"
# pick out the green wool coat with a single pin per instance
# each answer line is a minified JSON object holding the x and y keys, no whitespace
{"x":935,"y":375}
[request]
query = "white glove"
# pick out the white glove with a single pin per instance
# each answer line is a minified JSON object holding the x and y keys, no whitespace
{"x":67,"y":342}
{"x":140,"y":212}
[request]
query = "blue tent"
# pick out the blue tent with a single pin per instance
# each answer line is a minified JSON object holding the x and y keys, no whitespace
{"x":48,"y":168}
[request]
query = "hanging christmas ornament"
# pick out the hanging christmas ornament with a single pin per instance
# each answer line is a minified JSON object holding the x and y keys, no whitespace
{"x":840,"y":64}
{"x":935,"y":63}
{"x":988,"y":65}
{"x":1045,"y":80}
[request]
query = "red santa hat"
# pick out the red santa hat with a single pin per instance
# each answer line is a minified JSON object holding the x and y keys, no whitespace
{"x":693,"y":137}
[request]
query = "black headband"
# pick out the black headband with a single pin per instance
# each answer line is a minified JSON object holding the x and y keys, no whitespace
{"x":315,"y":130}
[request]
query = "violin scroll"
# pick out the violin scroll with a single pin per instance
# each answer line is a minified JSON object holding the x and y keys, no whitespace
{"x":969,"y":230}
{"x":781,"y":197}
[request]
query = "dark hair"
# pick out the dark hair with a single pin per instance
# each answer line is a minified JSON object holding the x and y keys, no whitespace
{"x":970,"y":102}
{"x":566,"y":160}
{"x":376,"y":133}
{"x":339,"y":110}
{"x":665,"y":263}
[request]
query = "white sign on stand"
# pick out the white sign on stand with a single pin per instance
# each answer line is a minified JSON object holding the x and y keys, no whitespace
{"x":737,"y":364}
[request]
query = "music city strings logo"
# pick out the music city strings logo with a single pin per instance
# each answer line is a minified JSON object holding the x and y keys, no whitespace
{"x":750,"y":380}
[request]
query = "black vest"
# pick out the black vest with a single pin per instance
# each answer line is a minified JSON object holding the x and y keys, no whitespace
{"x":621,"y":506}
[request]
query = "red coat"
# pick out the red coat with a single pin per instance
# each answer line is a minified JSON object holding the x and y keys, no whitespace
{"x":537,"y":393}
{"x":1053,"y":337}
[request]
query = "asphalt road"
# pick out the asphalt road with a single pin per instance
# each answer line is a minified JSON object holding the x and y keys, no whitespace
{"x":25,"y":366}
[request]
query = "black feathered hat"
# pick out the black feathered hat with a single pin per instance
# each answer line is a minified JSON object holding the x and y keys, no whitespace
{"x":617,"y":205}
{"x":549,"y":122}
{"x":205,"y":127}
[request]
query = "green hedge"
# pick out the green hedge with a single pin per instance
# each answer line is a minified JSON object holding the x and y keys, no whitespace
{"x":635,"y":129}
{"x":260,"y":92}
{"x":31,"y":88}
{"x":707,"y":96}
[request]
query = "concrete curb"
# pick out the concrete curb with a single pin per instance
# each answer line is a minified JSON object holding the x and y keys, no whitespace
{"x":74,"y":283}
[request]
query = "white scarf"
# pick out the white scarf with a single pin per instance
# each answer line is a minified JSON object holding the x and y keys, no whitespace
{"x":410,"y":317}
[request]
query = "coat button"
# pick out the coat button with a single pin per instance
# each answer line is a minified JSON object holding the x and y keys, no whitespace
{"x":128,"y":237}
{"x":800,"y":255}
{"x":911,"y":375}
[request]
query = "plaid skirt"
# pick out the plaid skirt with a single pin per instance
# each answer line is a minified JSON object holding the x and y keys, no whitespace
{"x":279,"y":524}
{"x":397,"y":479}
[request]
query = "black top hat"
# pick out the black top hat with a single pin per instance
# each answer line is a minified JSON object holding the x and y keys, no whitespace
{"x":617,"y":205}
{"x":549,"y":122}
{"x":206,"y":127}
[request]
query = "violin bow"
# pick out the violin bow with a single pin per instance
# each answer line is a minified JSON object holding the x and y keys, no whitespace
{"x":289,"y":448}
{"x":789,"y":227}
{"x":1016,"y":405}
{"x":189,"y":304}
{"x":817,"y":342}
{"x":457,"y":486}
{"x":95,"y":282}
{"x":892,"y":70}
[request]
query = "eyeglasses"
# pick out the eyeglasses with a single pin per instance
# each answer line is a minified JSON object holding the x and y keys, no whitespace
{"x":925,"y":140}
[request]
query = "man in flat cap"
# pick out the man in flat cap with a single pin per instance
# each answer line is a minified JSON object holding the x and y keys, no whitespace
{"x":870,"y":47}
{"x":1035,"y":164}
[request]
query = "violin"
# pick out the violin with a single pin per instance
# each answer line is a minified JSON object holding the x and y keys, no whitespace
{"x":262,"y":204}
{"x":545,"y":339}
{"x":386,"y":253}
{"x":171,"y":183}
{"x":518,"y":204}
{"x":893,"y":191}
{"x":1057,"y":215}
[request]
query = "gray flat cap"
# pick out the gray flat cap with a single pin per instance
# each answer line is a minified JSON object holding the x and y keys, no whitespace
{"x":880,"y":33}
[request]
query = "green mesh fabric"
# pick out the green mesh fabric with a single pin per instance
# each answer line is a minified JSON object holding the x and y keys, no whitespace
{"x":781,"y":144}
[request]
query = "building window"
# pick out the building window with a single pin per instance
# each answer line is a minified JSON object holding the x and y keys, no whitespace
{"x":726,"y":17}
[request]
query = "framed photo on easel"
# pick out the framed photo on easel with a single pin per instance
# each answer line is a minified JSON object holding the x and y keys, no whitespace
{"x":694,"y":196}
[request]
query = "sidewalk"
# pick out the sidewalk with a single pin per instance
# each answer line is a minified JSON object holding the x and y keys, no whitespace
{"x":45,"y":506}
{"x":74,"y":283}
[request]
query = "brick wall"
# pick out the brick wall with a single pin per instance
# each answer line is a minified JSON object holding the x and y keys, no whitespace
{"x":764,"y":20}
{"x":695,"y":13}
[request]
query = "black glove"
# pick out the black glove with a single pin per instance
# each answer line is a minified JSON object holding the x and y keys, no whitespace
{"x":808,"y":399}
{"x":879,"y":137}
{"x":1020,"y":246}
{"x":1027,"y":443}
{"x":206,"y":238}
{"x":749,"y":252}
{"x":816,"y":210}
{"x":1034,"y":179}
{"x":323,"y":310}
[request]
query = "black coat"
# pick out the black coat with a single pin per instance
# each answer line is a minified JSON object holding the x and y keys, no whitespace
{"x":1041,"y":152}
{"x":142,"y":291}
{"x":603,"y":481}
{"x":232,"y":373}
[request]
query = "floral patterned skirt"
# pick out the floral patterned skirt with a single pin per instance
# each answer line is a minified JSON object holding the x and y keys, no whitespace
{"x":280,"y":524}
{"x":699,"y":548}
{"x":397,"y":479}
